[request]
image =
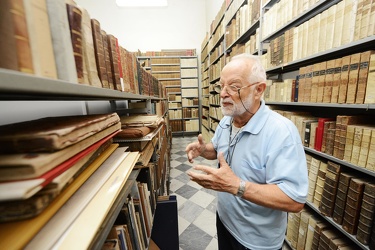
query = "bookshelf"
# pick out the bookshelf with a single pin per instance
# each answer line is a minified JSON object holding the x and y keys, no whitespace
{"x":84,"y":213}
{"x":290,"y":36}
{"x":179,"y":76}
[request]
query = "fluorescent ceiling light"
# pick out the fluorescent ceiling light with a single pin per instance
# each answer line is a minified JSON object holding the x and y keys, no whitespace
{"x":141,"y":3}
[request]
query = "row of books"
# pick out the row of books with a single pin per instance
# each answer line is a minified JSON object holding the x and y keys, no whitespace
{"x":343,"y":23}
{"x":347,"y":138}
{"x":343,"y":80}
{"x":44,"y":163}
{"x":171,"y":52}
{"x":345,"y":196}
{"x":59,"y":40}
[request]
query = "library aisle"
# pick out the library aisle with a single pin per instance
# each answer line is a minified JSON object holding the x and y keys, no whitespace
{"x":196,"y":205}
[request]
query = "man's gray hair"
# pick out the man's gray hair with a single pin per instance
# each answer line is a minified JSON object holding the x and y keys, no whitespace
{"x":257,"y":74}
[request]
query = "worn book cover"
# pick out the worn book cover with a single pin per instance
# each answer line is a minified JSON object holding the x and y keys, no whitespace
{"x":363,"y":75}
{"x":344,"y":79}
{"x":99,"y":53}
{"x":321,"y":83}
{"x":353,"y":77}
{"x":52,"y":133}
{"x":40,"y":38}
{"x":31,"y":165}
{"x":328,"y":85}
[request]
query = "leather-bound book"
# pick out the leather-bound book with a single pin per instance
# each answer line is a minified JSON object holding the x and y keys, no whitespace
{"x":313,"y":220}
{"x":136,"y":64}
{"x":344,"y":79}
{"x":325,"y":238}
{"x":317,"y":234}
{"x":40,"y":38}
{"x":112,"y":41}
{"x":330,"y":188}
{"x":370,"y":87}
{"x":336,"y":80}
{"x":62,"y":44}
{"x":15,"y":48}
{"x":367,"y":214}
{"x":329,"y":81}
{"x":99,"y":53}
{"x":107,"y":59}
{"x":315,"y":82}
{"x":345,"y":121}
{"x":321,"y":83}
{"x":353,"y":77}
{"x":372,"y":239}
{"x":327,"y":138}
{"x":338,"y":243}
{"x":342,"y":190}
{"x":362,"y":76}
{"x":89,"y":60}
{"x":75,"y":25}
{"x":352,"y":208}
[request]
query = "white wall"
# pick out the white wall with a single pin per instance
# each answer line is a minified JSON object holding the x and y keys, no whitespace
{"x":212,"y":8}
{"x":181,"y":25}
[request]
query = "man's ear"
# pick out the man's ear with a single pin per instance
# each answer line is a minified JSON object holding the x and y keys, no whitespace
{"x":260,"y":88}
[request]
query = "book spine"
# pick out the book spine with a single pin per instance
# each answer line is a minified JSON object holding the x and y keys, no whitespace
{"x":107,"y":60}
{"x":99,"y":53}
{"x":75,"y":24}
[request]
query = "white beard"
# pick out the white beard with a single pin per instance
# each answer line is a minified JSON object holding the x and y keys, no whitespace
{"x":237,"y":109}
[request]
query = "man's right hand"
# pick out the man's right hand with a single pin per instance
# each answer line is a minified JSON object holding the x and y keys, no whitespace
{"x":195,"y":149}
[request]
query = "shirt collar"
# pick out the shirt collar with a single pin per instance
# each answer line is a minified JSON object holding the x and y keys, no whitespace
{"x":258,"y":120}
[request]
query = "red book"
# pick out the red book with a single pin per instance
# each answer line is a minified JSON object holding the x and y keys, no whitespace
{"x":320,"y":131}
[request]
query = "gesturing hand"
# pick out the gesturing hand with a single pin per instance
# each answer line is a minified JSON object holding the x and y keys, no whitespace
{"x":220,"y":179}
{"x":195,"y":149}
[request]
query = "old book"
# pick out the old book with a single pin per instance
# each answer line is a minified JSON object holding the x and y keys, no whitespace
{"x":342,"y":190}
{"x":350,"y":13}
{"x":119,"y":63}
{"x":336,"y":144}
{"x":313,"y":175}
{"x":292,"y":228}
{"x":363,"y":75}
{"x":52,"y":133}
{"x":302,"y":230}
{"x":40,"y":38}
{"x":313,"y":220}
{"x":21,"y":166}
{"x":319,"y":228}
{"x":330,"y":29}
{"x":357,"y":27}
{"x":321,"y":83}
{"x":323,"y":31}
{"x":99,"y":53}
{"x":75,"y":25}
{"x":107,"y":59}
{"x":365,"y":19}
{"x":61,"y":42}
{"x":328,"y":84}
{"x":353,"y":77}
{"x":371,"y":25}
{"x":338,"y":23}
{"x":367,"y":214}
{"x":53,"y":183}
{"x":112,"y":49}
{"x":330,"y":188}
{"x":88,"y":51}
{"x":336,"y":80}
{"x":313,"y":129}
{"x":307,"y":126}
{"x":345,"y":121}
{"x":18,"y":234}
{"x":326,"y":237}
{"x":349,"y":142}
{"x":352,"y":208}
{"x":339,"y":243}
{"x":344,"y":79}
{"x":370,"y":88}
{"x":357,"y":139}
{"x":315,"y":82}
{"x":320,"y":131}
{"x":91,"y":203}
{"x":301,"y":83}
{"x":15,"y":47}
{"x":365,"y":146}
{"x":308,"y":83}
{"x":58,"y":176}
{"x":328,"y":128}
{"x":371,"y":154}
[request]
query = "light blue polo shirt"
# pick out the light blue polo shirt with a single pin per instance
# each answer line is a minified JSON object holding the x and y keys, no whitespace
{"x":268,"y":150}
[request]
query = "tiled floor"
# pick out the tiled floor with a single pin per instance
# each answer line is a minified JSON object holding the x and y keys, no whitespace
{"x":196,"y":205}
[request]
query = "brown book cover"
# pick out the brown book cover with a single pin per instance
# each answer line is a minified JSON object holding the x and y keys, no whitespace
{"x":321,"y":83}
{"x":326,"y":237}
{"x":367,"y":214}
{"x":336,"y":80}
{"x":353,"y":77}
{"x":15,"y":47}
{"x":308,"y":84}
{"x":328,"y":128}
{"x":363,"y":75}
{"x":107,"y":59}
{"x":315,"y":82}
{"x":365,"y":146}
{"x":328,"y":84}
{"x":358,"y":131}
{"x":352,"y":208}
{"x":99,"y":53}
{"x":349,"y":142}
{"x":91,"y":70}
{"x":319,"y":228}
{"x":344,"y":79}
{"x":114,"y":61}
{"x":40,"y":38}
{"x":301,"y":83}
{"x":336,"y":145}
{"x":342,"y":190}
{"x":52,"y":133}
{"x":330,"y":188}
{"x":75,"y":25}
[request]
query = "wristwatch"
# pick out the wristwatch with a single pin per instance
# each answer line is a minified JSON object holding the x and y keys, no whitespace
{"x":241,"y":189}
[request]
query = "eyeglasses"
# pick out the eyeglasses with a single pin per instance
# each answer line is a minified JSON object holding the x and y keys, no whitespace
{"x":231,"y":89}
